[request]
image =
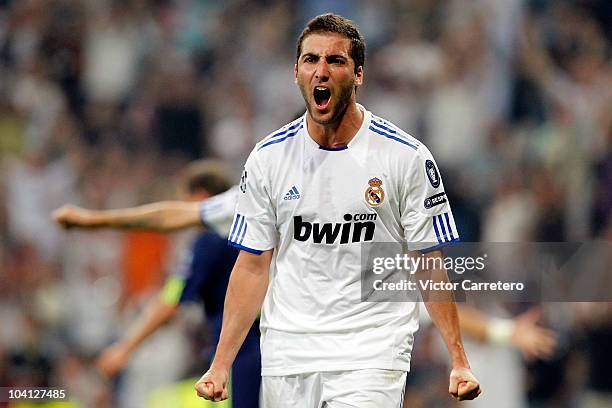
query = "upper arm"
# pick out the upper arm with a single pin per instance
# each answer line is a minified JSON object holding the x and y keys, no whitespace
{"x":258,"y":264}
{"x":178,"y":214}
{"x":432,"y":262}
{"x":432,"y":269}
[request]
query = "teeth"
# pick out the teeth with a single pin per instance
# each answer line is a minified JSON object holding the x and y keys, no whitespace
{"x":321,"y":94}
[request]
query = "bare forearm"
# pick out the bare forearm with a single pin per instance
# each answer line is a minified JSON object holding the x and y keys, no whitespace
{"x":162,"y":216}
{"x":443,"y":312}
{"x":157,"y":314}
{"x":445,"y":317}
{"x":245,"y":295}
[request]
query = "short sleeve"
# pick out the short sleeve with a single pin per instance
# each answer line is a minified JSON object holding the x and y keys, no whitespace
{"x":254,"y":226}
{"x":217,"y":212}
{"x":426,"y":218}
{"x":195,"y":267}
{"x":198,"y":269}
{"x":174,"y":287}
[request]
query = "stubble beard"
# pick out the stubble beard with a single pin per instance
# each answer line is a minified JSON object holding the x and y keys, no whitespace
{"x":337,"y":111}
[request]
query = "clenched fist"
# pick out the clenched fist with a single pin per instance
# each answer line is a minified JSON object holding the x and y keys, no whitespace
{"x":213,"y":385}
{"x":463,"y":385}
{"x":72,"y":216}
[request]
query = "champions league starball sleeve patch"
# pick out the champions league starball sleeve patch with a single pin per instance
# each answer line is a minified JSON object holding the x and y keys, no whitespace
{"x":432,"y":173}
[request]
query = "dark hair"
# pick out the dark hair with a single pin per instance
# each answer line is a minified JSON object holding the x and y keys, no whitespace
{"x":334,"y":23}
{"x":209,"y":175}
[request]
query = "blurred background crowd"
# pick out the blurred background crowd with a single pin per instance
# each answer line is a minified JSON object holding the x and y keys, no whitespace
{"x":102,"y":102}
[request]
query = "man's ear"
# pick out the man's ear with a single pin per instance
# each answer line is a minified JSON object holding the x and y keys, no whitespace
{"x":359,"y":76}
{"x":295,"y":72}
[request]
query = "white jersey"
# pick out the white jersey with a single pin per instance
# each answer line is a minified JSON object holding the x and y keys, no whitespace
{"x":217,"y":212}
{"x":316,"y":206}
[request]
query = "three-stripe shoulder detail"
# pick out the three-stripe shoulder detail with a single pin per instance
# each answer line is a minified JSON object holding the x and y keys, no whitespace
{"x":444,"y":229}
{"x":238,"y":230}
{"x":237,"y":234}
{"x":283,"y":133}
{"x":390,"y":131}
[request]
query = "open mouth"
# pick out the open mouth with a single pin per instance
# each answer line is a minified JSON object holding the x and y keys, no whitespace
{"x":322,"y":96}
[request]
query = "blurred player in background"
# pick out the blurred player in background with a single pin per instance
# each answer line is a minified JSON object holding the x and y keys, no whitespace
{"x":322,"y":346}
{"x":202,"y":274}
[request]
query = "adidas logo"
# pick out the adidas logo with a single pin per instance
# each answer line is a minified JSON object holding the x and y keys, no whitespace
{"x":292,"y":194}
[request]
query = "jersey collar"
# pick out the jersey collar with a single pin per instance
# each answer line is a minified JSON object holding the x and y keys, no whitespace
{"x":355,"y":141}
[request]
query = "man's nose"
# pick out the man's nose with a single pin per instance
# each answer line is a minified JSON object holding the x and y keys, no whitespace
{"x":322,"y":72}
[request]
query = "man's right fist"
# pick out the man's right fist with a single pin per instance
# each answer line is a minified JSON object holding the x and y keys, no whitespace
{"x":463,"y":384}
{"x":213,"y":385}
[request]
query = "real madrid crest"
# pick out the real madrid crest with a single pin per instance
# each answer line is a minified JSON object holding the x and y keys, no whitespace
{"x":375,"y":195}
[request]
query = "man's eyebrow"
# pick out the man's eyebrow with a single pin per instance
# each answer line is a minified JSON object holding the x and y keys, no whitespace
{"x":330,"y":56}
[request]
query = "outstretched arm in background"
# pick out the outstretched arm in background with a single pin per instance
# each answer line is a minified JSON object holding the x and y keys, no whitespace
{"x":161,"y":216}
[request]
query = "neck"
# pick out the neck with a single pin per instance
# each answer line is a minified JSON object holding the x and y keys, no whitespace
{"x":339,"y":133}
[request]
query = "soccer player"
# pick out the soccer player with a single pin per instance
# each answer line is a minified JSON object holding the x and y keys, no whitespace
{"x":311,"y":195}
{"x":522,"y":332}
{"x":202,"y":275}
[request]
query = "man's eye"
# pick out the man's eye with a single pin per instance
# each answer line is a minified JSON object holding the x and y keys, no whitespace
{"x":309,"y":59}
